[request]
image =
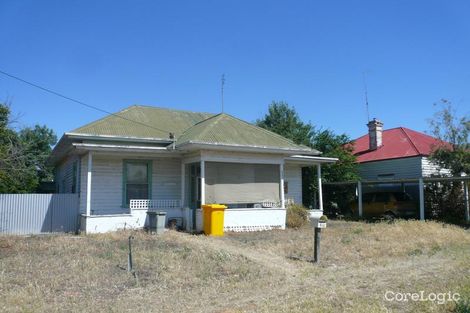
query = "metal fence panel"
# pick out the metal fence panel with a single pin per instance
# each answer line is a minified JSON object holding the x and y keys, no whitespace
{"x":38,"y":213}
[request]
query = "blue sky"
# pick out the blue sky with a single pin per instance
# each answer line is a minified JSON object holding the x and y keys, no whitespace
{"x":311,"y":54}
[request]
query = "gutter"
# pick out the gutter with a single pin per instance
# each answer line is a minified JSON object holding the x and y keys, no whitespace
{"x":194,"y":145}
{"x":118,"y":138}
{"x":304,"y":159}
{"x":105,"y":147}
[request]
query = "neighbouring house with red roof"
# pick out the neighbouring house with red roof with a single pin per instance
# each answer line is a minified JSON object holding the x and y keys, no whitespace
{"x":395,"y":153}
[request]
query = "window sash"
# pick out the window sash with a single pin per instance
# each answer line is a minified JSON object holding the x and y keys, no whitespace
{"x":136,"y":187}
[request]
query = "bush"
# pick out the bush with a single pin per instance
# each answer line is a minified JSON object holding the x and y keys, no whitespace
{"x":462,"y":306}
{"x":444,"y":201}
{"x":297,"y":216}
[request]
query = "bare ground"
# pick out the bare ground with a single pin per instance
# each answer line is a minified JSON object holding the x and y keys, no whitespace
{"x":248,"y":272}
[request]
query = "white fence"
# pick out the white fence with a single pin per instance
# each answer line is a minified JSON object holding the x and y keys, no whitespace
{"x":38,"y":213}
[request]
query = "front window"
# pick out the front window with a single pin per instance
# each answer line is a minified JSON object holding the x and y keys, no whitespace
{"x":137,"y":177}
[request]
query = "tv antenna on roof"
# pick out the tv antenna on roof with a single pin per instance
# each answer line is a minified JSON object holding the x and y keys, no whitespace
{"x":222,"y":82}
{"x":366,"y":98}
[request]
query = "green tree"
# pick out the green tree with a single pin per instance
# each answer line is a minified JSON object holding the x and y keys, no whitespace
{"x":336,"y":198}
{"x":23,"y":155}
{"x":37,"y":142}
{"x":284,"y":120}
{"x":445,"y":200}
{"x":453,"y":131}
{"x":337,"y":146}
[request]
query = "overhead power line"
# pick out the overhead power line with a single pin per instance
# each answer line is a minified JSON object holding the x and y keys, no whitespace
{"x":79,"y":102}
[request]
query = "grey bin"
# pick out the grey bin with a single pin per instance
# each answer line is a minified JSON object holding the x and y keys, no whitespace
{"x":157,"y":221}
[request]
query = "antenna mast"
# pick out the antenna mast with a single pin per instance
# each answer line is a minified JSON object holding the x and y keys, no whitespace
{"x":366,"y":96}
{"x":222,"y":81}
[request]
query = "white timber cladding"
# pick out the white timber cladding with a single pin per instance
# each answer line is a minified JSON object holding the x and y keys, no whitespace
{"x":64,"y":175}
{"x":107,"y":182}
{"x":429,"y":168}
{"x":399,"y":168}
{"x":241,"y":183}
{"x":293,"y":178}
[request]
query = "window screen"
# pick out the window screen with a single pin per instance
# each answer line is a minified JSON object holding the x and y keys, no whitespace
{"x":232,"y":183}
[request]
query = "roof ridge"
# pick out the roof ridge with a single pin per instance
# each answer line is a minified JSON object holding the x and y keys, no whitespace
{"x":102,"y":118}
{"x":266,"y":131}
{"x":204,"y":120}
{"x":170,"y":109}
{"x":210,"y":126}
{"x":410,"y":140}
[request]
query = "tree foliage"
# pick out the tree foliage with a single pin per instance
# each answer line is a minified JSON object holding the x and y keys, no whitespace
{"x":453,"y":131}
{"x":284,"y":120}
{"x":23,"y":155}
{"x":445,"y":200}
{"x":337,"y":146}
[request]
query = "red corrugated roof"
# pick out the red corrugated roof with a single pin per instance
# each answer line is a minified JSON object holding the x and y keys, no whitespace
{"x":397,"y":142}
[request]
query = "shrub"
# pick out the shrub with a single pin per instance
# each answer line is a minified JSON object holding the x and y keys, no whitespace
{"x":297,"y":216}
{"x":462,"y":306}
{"x":445,"y":201}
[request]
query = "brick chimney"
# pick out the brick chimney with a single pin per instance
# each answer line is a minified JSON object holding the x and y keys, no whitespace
{"x":375,"y":133}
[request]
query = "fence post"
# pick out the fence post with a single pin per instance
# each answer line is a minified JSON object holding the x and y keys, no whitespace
{"x":359,"y":198}
{"x":421,"y":199}
{"x":467,"y":209}
{"x":316,"y":245}
{"x":129,"y":256}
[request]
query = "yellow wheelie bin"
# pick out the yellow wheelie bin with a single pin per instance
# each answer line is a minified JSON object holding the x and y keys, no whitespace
{"x":213,"y":219}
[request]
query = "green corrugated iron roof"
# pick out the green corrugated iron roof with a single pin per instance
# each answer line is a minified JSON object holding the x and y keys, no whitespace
{"x":224,"y":129}
{"x":189,"y":128}
{"x":161,"y":121}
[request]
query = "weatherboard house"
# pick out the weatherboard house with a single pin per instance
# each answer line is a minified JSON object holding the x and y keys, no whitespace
{"x":396,"y":153}
{"x":146,"y":158}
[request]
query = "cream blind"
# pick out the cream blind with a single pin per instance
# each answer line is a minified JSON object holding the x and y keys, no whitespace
{"x":241,"y":183}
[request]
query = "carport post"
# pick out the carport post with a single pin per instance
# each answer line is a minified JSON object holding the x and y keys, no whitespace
{"x":421,"y":199}
{"x":467,"y":205}
{"x":320,"y":196}
{"x":359,"y":198}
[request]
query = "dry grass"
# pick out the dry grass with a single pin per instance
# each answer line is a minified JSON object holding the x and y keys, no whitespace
{"x":262,"y":272}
